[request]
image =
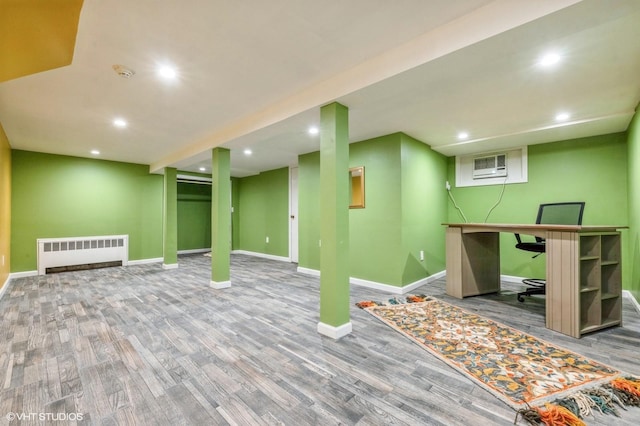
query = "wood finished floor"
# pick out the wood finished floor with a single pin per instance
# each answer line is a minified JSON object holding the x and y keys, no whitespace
{"x":140,"y":345}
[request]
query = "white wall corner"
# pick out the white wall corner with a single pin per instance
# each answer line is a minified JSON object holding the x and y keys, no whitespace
{"x":334,"y":332}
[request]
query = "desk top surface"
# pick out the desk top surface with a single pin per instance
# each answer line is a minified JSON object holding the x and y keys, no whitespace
{"x":534,"y":227}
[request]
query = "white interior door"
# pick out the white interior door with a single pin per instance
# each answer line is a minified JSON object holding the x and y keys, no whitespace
{"x":293,"y":214}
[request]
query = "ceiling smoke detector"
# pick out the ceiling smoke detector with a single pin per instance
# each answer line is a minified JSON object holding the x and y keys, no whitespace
{"x":123,"y":71}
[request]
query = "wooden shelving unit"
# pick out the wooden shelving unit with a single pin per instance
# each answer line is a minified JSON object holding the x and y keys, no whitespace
{"x":583,"y":277}
{"x":600,"y":281}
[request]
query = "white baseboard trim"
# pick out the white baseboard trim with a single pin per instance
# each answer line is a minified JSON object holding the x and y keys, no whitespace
{"x":334,"y":332}
{"x":145,"y":261}
{"x":23,"y":274}
{"x":194,"y":251}
{"x":308,"y":271}
{"x":431,"y":278}
{"x":5,"y":286}
{"x":512,"y":279}
{"x":170,"y":266}
{"x":388,"y":288}
{"x":263,"y":255}
{"x":218,"y":285}
{"x":633,"y":300}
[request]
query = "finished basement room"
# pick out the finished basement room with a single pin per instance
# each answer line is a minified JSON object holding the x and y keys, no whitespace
{"x":320,"y":213}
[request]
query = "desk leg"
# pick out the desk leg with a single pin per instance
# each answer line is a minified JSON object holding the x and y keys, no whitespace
{"x":473,"y":263}
{"x":562,"y":288}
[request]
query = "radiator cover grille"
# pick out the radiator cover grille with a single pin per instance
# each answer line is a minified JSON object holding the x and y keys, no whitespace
{"x":56,"y":252}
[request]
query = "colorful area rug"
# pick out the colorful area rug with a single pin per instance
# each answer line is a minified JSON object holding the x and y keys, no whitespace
{"x":519,"y":369}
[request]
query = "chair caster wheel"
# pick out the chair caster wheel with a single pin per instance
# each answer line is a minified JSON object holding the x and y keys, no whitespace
{"x":520,"y":299}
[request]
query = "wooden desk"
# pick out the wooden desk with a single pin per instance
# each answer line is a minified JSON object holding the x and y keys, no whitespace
{"x":584,"y":270}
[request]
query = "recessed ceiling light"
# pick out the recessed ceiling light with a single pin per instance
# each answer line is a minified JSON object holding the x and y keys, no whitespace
{"x":563,"y":116}
{"x":167,"y":72}
{"x":95,"y":152}
{"x":549,"y":60}
{"x":313,"y":130}
{"x":202,"y":169}
{"x":247,"y":152}
{"x":119,"y":122}
{"x":463,"y":135}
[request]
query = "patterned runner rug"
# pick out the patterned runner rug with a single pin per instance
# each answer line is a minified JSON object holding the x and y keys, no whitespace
{"x":518,"y":368}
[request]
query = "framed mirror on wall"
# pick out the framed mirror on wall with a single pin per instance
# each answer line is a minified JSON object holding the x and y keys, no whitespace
{"x":356,"y":178}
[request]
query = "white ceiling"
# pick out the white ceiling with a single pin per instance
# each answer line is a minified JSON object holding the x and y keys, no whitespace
{"x":253,"y":74}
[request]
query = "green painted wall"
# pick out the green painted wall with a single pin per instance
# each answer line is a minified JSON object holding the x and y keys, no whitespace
{"x":592,"y":169}
{"x":404,"y":209}
{"x":263,"y":207}
{"x":60,"y":196}
{"x":424,"y":209}
{"x":5,"y":207}
{"x":235,"y":215}
{"x":309,"y":210}
{"x":194,"y":216}
{"x":375,"y":231}
{"x":633,"y":156}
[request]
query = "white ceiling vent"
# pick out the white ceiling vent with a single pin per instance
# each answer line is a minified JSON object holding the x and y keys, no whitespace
{"x":123,"y":71}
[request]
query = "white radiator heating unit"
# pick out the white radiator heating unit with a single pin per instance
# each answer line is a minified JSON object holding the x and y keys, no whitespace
{"x":60,"y":252}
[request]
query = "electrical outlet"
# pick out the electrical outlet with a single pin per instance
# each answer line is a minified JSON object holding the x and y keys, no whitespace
{"x":421,"y":255}
{"x":267,"y":240}
{"x":446,"y":185}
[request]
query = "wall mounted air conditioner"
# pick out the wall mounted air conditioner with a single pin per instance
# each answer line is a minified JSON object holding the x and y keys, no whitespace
{"x":489,"y":166}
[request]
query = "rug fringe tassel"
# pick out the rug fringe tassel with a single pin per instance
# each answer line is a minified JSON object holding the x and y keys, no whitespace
{"x":629,"y":386}
{"x":569,"y":411}
{"x":556,"y":415}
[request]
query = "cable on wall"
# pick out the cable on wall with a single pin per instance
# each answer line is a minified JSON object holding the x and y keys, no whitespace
{"x":454,"y":202}
{"x":504,"y":184}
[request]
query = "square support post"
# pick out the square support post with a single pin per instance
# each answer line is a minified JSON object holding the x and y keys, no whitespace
{"x":220,"y":218}
{"x":170,"y":219}
{"x":334,"y":223}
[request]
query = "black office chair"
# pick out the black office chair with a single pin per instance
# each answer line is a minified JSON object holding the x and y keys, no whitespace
{"x":551,"y":214}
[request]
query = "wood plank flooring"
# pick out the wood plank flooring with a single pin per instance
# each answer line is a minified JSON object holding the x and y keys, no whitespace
{"x":143,"y":346}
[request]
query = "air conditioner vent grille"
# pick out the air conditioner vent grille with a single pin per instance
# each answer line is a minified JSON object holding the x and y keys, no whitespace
{"x":489,"y":166}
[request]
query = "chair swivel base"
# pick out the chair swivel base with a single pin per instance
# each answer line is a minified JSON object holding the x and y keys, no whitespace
{"x":537,"y":287}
